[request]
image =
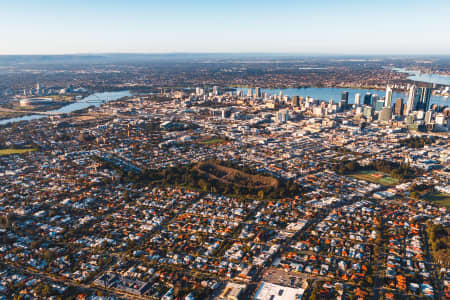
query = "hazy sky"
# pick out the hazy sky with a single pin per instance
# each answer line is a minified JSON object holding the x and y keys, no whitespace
{"x":313,"y":26}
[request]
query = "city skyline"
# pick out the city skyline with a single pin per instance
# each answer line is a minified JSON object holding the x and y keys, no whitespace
{"x":349,"y":27}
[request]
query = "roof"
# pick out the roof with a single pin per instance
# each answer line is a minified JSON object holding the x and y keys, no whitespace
{"x":277,"y":292}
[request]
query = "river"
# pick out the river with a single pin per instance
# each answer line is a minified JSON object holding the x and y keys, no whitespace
{"x":335,"y":94}
{"x":96,"y":100}
{"x":425,"y":77}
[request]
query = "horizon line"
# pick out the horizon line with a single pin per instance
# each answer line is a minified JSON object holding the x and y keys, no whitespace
{"x":223,"y":53}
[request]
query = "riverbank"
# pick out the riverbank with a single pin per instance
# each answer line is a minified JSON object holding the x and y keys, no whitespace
{"x":335,"y":94}
{"x":7,"y":112}
{"x":96,"y":100}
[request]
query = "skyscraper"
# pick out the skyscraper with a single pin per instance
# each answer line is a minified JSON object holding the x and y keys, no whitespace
{"x":282,"y":116}
{"x":296,"y":101}
{"x":379,"y":104}
{"x":199,"y":91}
{"x":215,"y":90}
{"x":410,"y":104}
{"x":249,"y":92}
{"x":344,"y":98}
{"x":258,"y":92}
{"x":368,"y":99}
{"x":388,"y":99}
{"x":428,"y":116}
{"x":422,"y":99}
{"x":368,"y":111}
{"x":398,"y":108}
{"x":385,"y":114}
{"x":357,"y":98}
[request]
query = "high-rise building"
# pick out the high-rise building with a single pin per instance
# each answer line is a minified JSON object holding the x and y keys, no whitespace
{"x":410,"y":104}
{"x":385,"y":114}
{"x":399,"y":107}
{"x":374,"y":100}
{"x":198,"y":91}
{"x":282,"y":116}
{"x":215,"y":90}
{"x":368,"y":99}
{"x":357,"y":98}
{"x":379,"y":104}
{"x":422,"y":98}
{"x":296,"y":101}
{"x":344,"y":98}
{"x":258,"y":92}
{"x":368,"y":111}
{"x":249,"y":92}
{"x":428,"y":116}
{"x":388,"y":99}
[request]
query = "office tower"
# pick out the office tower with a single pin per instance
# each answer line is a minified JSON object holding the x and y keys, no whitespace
{"x":240,"y":93}
{"x":344,"y":98}
{"x":357,"y":98}
{"x":388,"y":99}
{"x":368,"y":99}
{"x":368,"y":111}
{"x":398,"y":108}
{"x":379,"y":104}
{"x":199,"y":91}
{"x":374,"y":100}
{"x":385,"y":114}
{"x":428,"y":116}
{"x":258,"y":92}
{"x":296,"y":101}
{"x":215,"y":90}
{"x":410,"y":104}
{"x":282,"y":116}
{"x":249,"y":92}
{"x":422,"y":99}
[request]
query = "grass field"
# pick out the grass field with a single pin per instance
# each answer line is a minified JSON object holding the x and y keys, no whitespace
{"x":213,"y":141}
{"x":376,"y":177}
{"x":438,"y":197}
{"x":15,"y":151}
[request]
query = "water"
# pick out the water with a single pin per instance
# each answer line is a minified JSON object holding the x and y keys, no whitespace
{"x":335,"y":94}
{"x":424,"y":77}
{"x":96,"y":100}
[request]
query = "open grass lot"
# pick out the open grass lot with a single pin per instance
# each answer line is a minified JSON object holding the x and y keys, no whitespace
{"x":376,"y":177}
{"x":438,"y":197}
{"x":213,"y":141}
{"x":15,"y":151}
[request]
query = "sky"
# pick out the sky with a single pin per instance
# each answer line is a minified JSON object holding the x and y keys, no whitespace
{"x":219,"y":26}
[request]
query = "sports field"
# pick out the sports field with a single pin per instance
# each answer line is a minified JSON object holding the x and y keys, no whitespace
{"x":438,"y":197}
{"x":15,"y":151}
{"x":376,"y":177}
{"x":214,"y":141}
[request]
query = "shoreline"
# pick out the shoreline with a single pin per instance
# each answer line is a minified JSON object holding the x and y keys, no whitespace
{"x":7,"y":113}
